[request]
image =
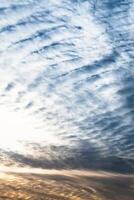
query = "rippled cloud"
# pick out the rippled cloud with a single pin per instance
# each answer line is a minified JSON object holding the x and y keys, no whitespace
{"x":66,"y":84}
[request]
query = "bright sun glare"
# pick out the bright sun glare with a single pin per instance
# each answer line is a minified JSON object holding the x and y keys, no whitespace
{"x":14,"y":127}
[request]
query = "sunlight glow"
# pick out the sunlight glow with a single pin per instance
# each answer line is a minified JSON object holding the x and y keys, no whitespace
{"x":13,"y":128}
{"x":18,"y":128}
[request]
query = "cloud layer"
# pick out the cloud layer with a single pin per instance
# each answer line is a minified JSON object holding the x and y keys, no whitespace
{"x":67,"y":70}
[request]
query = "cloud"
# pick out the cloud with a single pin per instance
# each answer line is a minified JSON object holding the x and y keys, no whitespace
{"x":67,"y":67}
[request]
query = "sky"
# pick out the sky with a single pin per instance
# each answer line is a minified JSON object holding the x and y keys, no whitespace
{"x":67,"y":84}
